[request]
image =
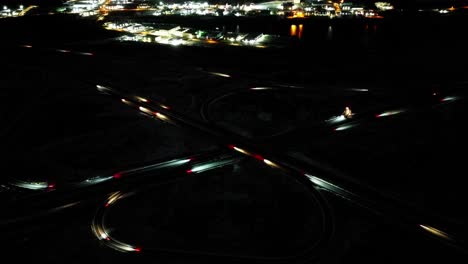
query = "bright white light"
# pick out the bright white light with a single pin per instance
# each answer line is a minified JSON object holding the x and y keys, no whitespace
{"x":336,"y":119}
{"x":86,"y":53}
{"x":100,"y":233}
{"x":176,"y":42}
{"x":261,"y":88}
{"x":114,"y":197}
{"x":171,"y":163}
{"x":344,"y":127}
{"x":162,"y":117}
{"x":241,"y":150}
{"x":31,"y":185}
{"x":104,"y":235}
{"x":126,"y":248}
{"x":449,"y":98}
{"x":359,"y":90}
{"x":389,"y":113}
{"x":102,"y":88}
{"x":202,"y":167}
{"x":145,"y":110}
{"x":179,"y":162}
{"x":97,"y":179}
{"x":211,"y":165}
{"x":220,"y":74}
{"x":121,"y":246}
{"x":142,"y":99}
{"x":270,"y":163}
{"x":327,"y":185}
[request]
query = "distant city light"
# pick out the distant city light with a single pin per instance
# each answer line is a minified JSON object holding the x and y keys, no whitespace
{"x":187,"y":36}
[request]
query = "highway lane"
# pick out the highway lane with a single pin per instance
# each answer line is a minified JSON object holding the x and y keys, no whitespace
{"x":323,"y":177}
{"x":65,"y":194}
{"x":414,"y":221}
{"x":105,"y":233}
{"x":321,"y":118}
{"x":332,"y":126}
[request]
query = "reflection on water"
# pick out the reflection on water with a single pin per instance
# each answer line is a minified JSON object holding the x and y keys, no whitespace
{"x":293,"y":30}
{"x":296,"y":31}
{"x":316,"y":32}
{"x":330,"y":33}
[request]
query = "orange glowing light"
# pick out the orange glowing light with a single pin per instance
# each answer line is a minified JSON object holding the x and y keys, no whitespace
{"x":299,"y":34}
{"x":293,"y":30}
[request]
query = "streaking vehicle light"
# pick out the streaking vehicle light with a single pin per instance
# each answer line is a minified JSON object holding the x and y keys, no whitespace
{"x":270,"y":163}
{"x":240,"y":150}
{"x":161,"y":116}
{"x":344,"y":127}
{"x":449,"y":98}
{"x":220,"y":74}
{"x":141,"y":99}
{"x":86,"y":53}
{"x":211,"y":165}
{"x":256,"y":156}
{"x":102,"y":88}
{"x":96,"y":180}
{"x":101,"y":232}
{"x":261,"y":88}
{"x":145,"y":110}
{"x":120,"y":246}
{"x":166,"y":164}
{"x":115,"y":196}
{"x":330,"y":187}
{"x":322,"y":183}
{"x":436,"y":232}
{"x":31,"y":185}
{"x":336,"y":119}
{"x":359,"y":90}
{"x":390,"y":113}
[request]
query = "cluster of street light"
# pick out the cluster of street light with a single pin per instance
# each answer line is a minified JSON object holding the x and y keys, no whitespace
{"x":277,"y":8}
{"x":15,"y":12}
{"x":176,"y":35}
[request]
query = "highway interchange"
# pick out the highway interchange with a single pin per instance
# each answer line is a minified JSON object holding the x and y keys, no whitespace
{"x":105,"y":192}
